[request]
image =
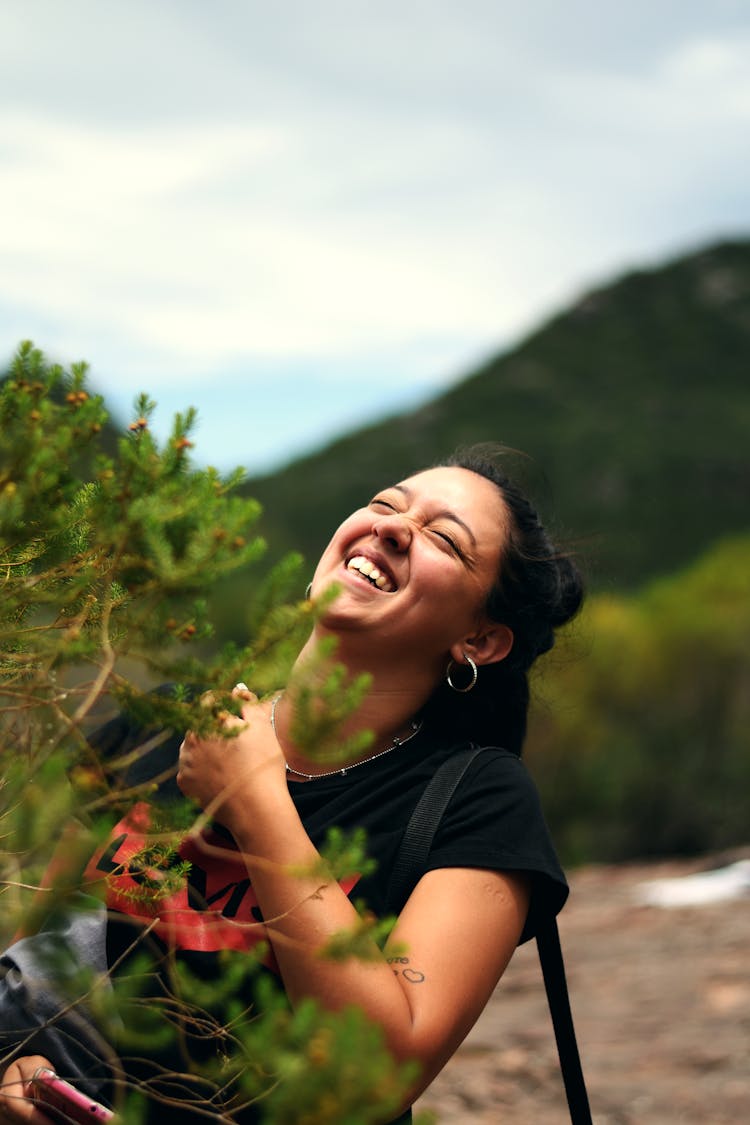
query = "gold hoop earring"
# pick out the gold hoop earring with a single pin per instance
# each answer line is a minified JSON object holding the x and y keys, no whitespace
{"x":474,"y":674}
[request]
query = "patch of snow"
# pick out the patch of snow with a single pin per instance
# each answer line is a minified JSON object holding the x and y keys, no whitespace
{"x":704,"y":887}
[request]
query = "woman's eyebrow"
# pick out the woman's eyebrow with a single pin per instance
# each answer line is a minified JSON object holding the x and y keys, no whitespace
{"x":445,"y":513}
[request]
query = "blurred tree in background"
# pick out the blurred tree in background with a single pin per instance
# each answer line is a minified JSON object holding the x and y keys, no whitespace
{"x":640,"y":741}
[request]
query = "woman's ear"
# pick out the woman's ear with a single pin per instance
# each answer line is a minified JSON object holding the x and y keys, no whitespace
{"x":489,"y":646}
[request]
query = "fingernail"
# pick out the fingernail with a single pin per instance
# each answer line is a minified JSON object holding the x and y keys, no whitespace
{"x":241,"y":687}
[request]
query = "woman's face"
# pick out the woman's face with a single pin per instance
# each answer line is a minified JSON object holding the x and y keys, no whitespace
{"x":416,"y":565}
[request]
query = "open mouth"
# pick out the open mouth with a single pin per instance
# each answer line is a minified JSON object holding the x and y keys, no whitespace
{"x":372,"y":573}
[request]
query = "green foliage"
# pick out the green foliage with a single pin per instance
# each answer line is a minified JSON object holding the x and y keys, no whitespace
{"x":319,"y":1075}
{"x":109,"y":547}
{"x":323,"y":699}
{"x":641,"y":741}
{"x":361,"y":941}
{"x":345,"y":853}
{"x":97,"y":570}
{"x":297,"y":1065}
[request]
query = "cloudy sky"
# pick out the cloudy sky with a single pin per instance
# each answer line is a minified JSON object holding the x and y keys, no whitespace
{"x":300,"y":216}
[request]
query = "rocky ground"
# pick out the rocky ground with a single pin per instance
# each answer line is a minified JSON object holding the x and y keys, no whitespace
{"x":661,"y":1001}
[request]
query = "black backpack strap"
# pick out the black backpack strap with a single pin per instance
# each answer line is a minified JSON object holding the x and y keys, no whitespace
{"x":423,"y":824}
{"x":410,"y":864}
{"x":556,"y":986}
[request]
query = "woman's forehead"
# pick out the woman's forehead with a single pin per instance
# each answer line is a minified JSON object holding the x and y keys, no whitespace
{"x":452,"y":482}
{"x":477,"y":500}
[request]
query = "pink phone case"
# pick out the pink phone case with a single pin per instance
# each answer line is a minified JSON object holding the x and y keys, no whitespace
{"x":53,"y":1093}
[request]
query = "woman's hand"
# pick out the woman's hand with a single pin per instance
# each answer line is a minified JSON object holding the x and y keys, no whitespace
{"x":15,"y":1092}
{"x":226,"y":775}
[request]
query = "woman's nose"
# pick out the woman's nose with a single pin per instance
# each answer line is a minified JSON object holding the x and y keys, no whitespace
{"x":393,"y":529}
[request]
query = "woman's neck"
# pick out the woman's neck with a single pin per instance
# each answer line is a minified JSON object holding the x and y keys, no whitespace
{"x":393,"y":700}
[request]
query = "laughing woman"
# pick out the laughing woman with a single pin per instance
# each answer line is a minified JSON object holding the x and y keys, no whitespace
{"x":449,"y":589}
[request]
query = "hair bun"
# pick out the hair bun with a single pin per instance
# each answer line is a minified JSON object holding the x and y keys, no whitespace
{"x":571,"y":592}
{"x":539,"y":587}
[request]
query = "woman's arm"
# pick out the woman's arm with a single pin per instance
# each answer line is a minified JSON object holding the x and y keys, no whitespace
{"x":458,"y":929}
{"x":453,"y":940}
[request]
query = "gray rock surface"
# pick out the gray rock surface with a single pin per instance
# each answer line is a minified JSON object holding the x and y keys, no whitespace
{"x":661,"y":1001}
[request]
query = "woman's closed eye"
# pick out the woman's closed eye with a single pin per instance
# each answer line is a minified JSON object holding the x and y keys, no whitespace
{"x":449,"y":540}
{"x":382,"y":504}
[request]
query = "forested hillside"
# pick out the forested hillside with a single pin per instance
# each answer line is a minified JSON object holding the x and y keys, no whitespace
{"x":633,"y":406}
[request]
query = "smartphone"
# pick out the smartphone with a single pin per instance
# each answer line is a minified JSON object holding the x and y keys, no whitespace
{"x":63,"y":1102}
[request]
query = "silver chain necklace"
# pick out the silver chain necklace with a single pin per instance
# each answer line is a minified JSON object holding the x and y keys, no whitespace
{"x":416,"y":726}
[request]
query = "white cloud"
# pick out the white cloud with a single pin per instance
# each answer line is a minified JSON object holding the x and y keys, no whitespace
{"x":178,"y":236}
{"x":233,"y":192}
{"x":711,"y":59}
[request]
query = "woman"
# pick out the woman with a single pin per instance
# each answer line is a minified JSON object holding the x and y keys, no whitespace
{"x":449,"y":589}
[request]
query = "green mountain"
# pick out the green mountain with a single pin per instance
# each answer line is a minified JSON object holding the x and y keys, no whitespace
{"x":633,"y":408}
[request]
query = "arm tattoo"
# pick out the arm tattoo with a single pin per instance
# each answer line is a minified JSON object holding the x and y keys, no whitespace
{"x":413,"y":976}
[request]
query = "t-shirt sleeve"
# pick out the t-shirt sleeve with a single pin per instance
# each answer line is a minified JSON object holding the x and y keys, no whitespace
{"x":494,"y":820}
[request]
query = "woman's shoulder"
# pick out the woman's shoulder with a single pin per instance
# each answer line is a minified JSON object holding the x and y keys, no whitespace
{"x":466,"y":765}
{"x":491,"y":777}
{"x":495,"y":820}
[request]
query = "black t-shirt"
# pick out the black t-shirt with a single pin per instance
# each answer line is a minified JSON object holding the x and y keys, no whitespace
{"x":494,"y":821}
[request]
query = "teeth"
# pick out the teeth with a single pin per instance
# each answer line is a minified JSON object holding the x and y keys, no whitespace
{"x":370,"y":571}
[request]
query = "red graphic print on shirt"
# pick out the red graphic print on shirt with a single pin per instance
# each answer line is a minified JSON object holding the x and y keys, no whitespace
{"x":213,"y":908}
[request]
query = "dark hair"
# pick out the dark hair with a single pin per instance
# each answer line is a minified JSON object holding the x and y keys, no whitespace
{"x":538,"y":588}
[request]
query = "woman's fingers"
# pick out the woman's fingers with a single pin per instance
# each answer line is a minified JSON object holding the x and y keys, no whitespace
{"x":194,"y":747}
{"x":210,"y":699}
{"x":16,"y":1102}
{"x":242,"y":691}
{"x":239,"y":691}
